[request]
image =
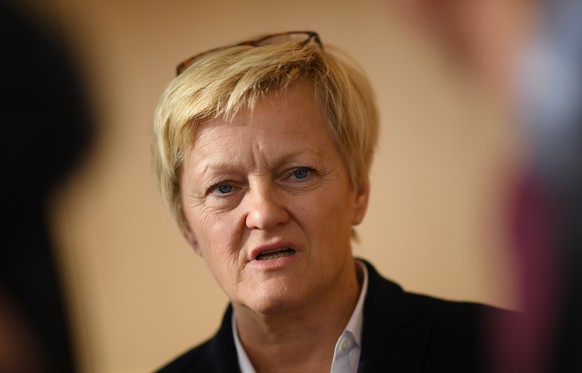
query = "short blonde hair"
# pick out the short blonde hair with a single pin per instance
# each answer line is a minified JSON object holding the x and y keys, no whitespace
{"x":220,"y":83}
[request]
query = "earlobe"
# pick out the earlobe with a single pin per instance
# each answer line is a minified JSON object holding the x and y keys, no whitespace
{"x":361,"y":202}
{"x":191,"y":238}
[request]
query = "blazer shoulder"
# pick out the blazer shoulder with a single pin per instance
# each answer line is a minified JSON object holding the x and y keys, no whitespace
{"x":455,"y":311}
{"x":461,"y":328}
{"x":425,"y":333}
{"x":193,"y":360}
{"x":216,"y":354}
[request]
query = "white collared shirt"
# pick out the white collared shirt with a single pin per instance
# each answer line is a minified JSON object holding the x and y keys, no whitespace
{"x":347,"y":348}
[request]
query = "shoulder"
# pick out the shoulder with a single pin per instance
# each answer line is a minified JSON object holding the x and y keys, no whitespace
{"x":452,"y":312}
{"x":461,"y":330}
{"x":435,"y":333}
{"x":461,"y":320}
{"x":217,"y":354}
{"x":193,"y":360}
{"x":386,"y":295}
{"x":452,"y":316}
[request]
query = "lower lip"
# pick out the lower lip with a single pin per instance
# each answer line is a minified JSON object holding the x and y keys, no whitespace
{"x":274,"y":264}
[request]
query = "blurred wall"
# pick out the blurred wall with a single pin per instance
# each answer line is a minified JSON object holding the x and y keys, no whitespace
{"x":139,"y":294}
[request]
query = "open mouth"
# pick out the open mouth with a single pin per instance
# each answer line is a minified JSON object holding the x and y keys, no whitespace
{"x":275,"y":254}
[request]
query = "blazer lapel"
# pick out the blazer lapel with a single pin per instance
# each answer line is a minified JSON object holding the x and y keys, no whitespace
{"x":222,"y":351}
{"x":393,"y":340}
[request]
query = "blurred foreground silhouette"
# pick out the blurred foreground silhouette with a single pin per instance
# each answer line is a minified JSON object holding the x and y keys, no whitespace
{"x":528,"y":54}
{"x":47,"y":128}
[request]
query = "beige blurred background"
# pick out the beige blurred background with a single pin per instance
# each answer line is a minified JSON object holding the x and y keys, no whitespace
{"x":139,"y":296}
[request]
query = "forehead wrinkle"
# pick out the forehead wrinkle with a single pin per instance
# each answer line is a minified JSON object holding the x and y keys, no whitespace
{"x":260,"y":161}
{"x":207,"y":160}
{"x":267,"y":161}
{"x":270,"y":154}
{"x":266,"y":153}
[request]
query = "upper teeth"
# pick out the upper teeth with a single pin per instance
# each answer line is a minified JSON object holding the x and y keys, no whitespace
{"x":273,"y":251}
{"x":276,"y":253}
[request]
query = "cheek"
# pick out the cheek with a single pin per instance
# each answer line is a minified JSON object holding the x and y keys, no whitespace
{"x":213,"y":235}
{"x":326,"y":216}
{"x":202,"y":221}
{"x":219,"y":245}
{"x":218,"y":235}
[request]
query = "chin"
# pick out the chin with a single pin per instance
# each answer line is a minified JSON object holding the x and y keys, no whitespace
{"x":275,"y":300}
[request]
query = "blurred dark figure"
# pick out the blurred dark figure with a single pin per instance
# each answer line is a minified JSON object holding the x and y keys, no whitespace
{"x":550,"y":91}
{"x":46,"y":128}
{"x":529,"y":54}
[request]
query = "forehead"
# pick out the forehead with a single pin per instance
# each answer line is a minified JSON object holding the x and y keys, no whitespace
{"x":279,"y":118}
{"x":279,"y":114}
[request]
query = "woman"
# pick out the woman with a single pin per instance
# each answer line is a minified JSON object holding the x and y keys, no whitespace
{"x":262,"y":152}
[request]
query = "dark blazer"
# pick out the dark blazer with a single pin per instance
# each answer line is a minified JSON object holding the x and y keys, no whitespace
{"x":402,"y":332}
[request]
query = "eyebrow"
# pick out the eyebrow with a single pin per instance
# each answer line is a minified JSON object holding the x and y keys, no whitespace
{"x":208,"y":166}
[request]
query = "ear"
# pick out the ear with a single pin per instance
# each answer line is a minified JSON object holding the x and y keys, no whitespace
{"x":361,"y":202}
{"x":190,"y":238}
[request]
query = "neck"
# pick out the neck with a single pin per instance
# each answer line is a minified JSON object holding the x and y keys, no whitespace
{"x":300,"y":339}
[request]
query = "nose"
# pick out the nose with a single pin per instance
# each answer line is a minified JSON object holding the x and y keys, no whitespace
{"x":265,"y":208}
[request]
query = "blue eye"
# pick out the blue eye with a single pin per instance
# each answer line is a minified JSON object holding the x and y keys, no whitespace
{"x":220,"y":188}
{"x":302,"y":172}
{"x":224,"y":188}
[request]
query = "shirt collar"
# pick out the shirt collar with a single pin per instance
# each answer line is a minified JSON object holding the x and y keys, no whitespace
{"x":356,"y":322}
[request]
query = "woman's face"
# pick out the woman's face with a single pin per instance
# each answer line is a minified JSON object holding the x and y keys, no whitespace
{"x":268,"y":203}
